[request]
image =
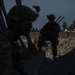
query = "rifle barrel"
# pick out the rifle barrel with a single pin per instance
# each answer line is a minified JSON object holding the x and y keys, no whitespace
{"x":60,"y":19}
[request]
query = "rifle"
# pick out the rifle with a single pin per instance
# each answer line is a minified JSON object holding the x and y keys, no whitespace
{"x":59,"y":20}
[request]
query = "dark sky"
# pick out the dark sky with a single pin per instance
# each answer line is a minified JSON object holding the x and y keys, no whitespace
{"x":47,"y":6}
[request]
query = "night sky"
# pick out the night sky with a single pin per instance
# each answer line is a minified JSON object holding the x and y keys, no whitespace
{"x":47,"y":7}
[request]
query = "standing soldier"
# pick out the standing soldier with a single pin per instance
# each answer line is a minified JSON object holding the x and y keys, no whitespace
{"x":50,"y":32}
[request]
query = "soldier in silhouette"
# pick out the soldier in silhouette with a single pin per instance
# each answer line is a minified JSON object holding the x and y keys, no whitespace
{"x":50,"y":31}
{"x":5,"y":58}
{"x":20,"y":19}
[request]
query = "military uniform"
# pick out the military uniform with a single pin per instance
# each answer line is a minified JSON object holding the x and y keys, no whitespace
{"x":50,"y":32}
{"x":6,"y":65}
{"x":20,"y":20}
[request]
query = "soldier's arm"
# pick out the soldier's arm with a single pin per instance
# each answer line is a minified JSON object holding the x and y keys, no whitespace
{"x":56,"y":28}
{"x":45,"y":27}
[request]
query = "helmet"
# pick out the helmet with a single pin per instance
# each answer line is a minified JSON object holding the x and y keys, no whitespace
{"x":51,"y":17}
{"x":26,"y":13}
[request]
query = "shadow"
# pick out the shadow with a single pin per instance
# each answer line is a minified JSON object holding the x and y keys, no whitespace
{"x":64,"y":65}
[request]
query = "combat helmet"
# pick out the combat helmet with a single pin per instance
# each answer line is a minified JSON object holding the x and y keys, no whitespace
{"x":24,"y":13}
{"x":51,"y":17}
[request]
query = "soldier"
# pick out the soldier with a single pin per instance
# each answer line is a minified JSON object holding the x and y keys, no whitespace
{"x":7,"y":45}
{"x":50,"y":32}
{"x":6,"y":66}
{"x":20,"y":19}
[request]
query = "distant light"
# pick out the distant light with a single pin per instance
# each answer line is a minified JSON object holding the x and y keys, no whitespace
{"x":65,"y":30}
